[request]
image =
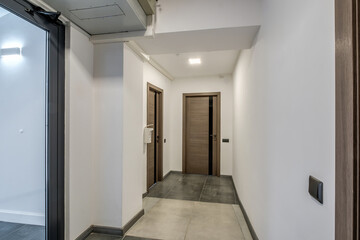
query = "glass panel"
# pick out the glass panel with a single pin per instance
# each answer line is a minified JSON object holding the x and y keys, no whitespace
{"x":23,"y":101}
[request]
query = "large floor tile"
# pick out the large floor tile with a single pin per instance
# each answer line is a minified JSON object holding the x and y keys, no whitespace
{"x":186,"y":191}
{"x":170,"y":207}
{"x":218,"y":194}
{"x":213,"y":227}
{"x":173,"y":177}
{"x":168,"y":219}
{"x":158,"y":226}
{"x":219,"y":181}
{"x":178,"y":219}
{"x":160,"y":190}
{"x":194,"y":178}
{"x":214,"y":221}
{"x":194,"y":187}
{"x":7,"y":228}
{"x":27,"y":232}
{"x":136,"y":238}
{"x":149,"y":203}
{"x":215,"y":212}
{"x":100,"y":236}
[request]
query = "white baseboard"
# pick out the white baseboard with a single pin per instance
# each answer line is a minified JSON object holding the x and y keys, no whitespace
{"x":22,"y":217}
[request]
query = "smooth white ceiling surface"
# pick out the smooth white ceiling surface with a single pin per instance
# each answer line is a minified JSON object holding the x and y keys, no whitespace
{"x":3,"y":12}
{"x":188,"y":15}
{"x":213,"y":63}
{"x":102,"y":16}
{"x":200,"y":41}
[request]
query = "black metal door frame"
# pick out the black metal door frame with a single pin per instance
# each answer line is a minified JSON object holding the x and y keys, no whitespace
{"x":55,"y":224}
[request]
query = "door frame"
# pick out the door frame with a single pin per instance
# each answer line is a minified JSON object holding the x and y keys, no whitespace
{"x":55,"y":204}
{"x":347,"y":205}
{"x":204,"y":94}
{"x":159,"y":163}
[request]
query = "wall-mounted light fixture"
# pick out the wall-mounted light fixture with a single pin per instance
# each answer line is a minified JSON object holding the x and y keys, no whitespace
{"x":194,"y":61}
{"x":10,"y":52}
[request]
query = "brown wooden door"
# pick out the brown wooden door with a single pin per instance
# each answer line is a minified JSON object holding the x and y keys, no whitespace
{"x":214,"y":137}
{"x":151,"y":147}
{"x":347,"y":180}
{"x":201,"y":134}
{"x":155,"y":148}
{"x":197,"y":135}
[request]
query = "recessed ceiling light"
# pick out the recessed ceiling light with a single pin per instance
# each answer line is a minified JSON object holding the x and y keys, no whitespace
{"x":194,"y":61}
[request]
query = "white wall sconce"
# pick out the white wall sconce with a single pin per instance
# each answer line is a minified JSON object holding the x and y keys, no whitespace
{"x":10,"y":52}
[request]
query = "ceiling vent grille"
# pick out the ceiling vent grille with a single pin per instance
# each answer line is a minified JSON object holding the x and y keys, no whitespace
{"x":103,"y":16}
{"x":98,"y":12}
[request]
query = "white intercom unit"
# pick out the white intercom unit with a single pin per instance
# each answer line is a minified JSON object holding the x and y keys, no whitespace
{"x":148,"y":134}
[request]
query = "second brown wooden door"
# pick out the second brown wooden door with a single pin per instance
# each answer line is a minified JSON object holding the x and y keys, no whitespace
{"x":201,"y":134}
{"x":154,"y":149}
{"x":151,"y":147}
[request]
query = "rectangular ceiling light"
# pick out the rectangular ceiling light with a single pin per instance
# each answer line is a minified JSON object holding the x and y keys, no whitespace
{"x":193,"y":61}
{"x":10,"y":52}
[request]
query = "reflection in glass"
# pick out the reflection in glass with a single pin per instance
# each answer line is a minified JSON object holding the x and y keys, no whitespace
{"x":23,"y":99}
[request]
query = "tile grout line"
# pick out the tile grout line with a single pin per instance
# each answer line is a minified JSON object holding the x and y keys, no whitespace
{"x":192,"y":215}
{"x":187,"y":227}
{"x":171,"y":188}
{"x":203,"y":188}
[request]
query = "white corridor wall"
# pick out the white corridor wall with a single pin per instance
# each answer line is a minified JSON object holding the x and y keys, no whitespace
{"x":108,"y":133}
{"x":284,"y":121}
{"x":132,"y":188}
{"x":79,"y":135}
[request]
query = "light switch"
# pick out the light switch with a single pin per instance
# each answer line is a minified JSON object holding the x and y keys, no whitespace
{"x":316,"y":189}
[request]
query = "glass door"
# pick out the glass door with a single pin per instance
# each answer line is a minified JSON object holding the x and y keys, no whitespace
{"x":31,"y":123}
{"x":23,"y":100}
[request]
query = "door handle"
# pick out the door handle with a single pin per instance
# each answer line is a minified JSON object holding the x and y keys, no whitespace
{"x":157,"y":138}
{"x":214,"y":137}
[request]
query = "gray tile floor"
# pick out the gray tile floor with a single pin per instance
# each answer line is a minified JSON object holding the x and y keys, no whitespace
{"x":137,"y":238}
{"x":172,"y":219}
{"x":16,"y":231}
{"x":99,"y":236}
{"x":194,"y":187}
{"x":189,"y":207}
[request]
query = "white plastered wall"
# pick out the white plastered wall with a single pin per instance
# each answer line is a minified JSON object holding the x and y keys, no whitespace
{"x":79,"y":161}
{"x":108,"y":133}
{"x":132,"y":188}
{"x":284,"y":121}
{"x":104,"y":121}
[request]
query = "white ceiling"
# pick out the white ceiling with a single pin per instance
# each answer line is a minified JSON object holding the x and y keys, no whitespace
{"x":200,"y":41}
{"x":213,"y":63}
{"x":217,"y":48}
